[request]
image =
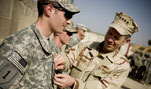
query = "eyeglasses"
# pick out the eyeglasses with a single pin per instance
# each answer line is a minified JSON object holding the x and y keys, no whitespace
{"x":69,"y":33}
{"x":68,"y":15}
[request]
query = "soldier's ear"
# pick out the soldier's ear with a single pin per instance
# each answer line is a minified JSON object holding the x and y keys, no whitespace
{"x":48,"y":9}
{"x":127,"y":40}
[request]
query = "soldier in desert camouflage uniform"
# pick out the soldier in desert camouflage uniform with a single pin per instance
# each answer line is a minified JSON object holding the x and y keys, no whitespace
{"x":26,"y":60}
{"x":100,"y":65}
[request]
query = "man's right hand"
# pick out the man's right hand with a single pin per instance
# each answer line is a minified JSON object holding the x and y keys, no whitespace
{"x":59,"y":62}
{"x":63,"y":80}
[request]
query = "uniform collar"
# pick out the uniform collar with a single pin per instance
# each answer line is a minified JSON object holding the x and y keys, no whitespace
{"x":43,"y":44}
{"x":97,"y":52}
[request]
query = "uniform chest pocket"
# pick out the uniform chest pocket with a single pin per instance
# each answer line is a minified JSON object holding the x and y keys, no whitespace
{"x":79,"y":67}
{"x":41,"y":66}
{"x":83,"y":63}
{"x":101,"y":71}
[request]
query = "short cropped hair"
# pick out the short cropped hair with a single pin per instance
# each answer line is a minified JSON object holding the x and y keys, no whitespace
{"x":42,"y":3}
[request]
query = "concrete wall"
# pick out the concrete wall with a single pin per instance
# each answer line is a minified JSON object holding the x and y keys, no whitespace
{"x":13,"y":14}
{"x":17,"y":14}
{"x":92,"y":36}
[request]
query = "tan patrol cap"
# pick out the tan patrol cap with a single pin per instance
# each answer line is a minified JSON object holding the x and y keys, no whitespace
{"x":70,"y":28}
{"x":83,"y":27}
{"x":66,"y":4}
{"x":124,"y":24}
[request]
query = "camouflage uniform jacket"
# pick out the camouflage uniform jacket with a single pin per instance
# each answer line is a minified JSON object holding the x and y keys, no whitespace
{"x":32,"y":47}
{"x":54,"y":48}
{"x":95,"y":70}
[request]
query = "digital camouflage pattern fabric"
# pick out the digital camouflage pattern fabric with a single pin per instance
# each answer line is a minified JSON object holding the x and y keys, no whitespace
{"x":30,"y":45}
{"x":66,"y":4}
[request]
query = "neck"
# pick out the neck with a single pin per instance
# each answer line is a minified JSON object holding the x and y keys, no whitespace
{"x":57,"y":41}
{"x":43,"y":26}
{"x":79,"y":35}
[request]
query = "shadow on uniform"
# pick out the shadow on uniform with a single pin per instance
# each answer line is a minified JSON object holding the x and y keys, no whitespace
{"x":124,"y":87}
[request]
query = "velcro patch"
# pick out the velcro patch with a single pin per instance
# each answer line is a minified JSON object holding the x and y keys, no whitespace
{"x":7,"y":73}
{"x":18,"y":61}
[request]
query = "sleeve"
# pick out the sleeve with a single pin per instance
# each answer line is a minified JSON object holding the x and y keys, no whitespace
{"x":113,"y":81}
{"x":71,"y":55}
{"x":98,"y":80}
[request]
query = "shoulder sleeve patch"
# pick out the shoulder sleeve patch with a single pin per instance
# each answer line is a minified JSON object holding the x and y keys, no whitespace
{"x":16,"y":59}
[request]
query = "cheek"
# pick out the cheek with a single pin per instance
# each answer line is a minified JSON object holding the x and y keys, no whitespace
{"x":62,"y":17}
{"x":118,"y":44}
{"x":68,"y":38}
{"x":59,"y":18}
{"x":107,"y":37}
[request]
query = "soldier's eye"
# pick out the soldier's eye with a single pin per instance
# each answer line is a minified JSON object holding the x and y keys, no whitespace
{"x":109,"y":33}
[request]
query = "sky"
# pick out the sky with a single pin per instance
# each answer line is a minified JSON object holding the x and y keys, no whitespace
{"x":97,"y":15}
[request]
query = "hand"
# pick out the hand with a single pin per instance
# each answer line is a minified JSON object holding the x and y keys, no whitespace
{"x":59,"y":62}
{"x":63,"y":80}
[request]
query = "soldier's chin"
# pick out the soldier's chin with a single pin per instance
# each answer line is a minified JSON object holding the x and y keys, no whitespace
{"x":67,"y":43}
{"x":59,"y":32}
{"x":108,"y":49}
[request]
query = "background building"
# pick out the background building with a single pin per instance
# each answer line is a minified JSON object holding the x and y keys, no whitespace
{"x":16,"y":14}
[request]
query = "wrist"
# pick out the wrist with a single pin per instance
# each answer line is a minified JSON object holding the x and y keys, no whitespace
{"x":75,"y":85}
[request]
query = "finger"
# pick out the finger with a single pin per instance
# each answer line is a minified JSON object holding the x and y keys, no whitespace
{"x":60,"y":85}
{"x":58,"y":59}
{"x":59,"y":75}
{"x":57,"y":83}
{"x":59,"y":67}
{"x":57,"y":56}
{"x":58,"y":79}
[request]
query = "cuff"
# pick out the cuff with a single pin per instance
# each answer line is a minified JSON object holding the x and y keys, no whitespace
{"x":67,"y":64}
{"x":75,"y":85}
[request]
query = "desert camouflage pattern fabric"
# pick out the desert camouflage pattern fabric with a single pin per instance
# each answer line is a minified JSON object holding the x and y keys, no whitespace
{"x":124,"y":24}
{"x":31,"y":46}
{"x":95,"y":70}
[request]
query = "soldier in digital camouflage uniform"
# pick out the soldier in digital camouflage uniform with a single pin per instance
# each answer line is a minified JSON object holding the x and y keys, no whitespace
{"x":77,"y":37}
{"x":61,"y":40}
{"x":134,"y":67}
{"x":26,"y":60}
{"x":148,"y":68}
{"x":139,"y":61}
{"x":100,"y":65}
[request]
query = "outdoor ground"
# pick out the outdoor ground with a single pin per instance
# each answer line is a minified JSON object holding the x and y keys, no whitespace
{"x":132,"y":84}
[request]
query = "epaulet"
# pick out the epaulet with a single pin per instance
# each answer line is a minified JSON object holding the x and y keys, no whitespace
{"x":70,"y":49}
{"x":124,"y":59}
